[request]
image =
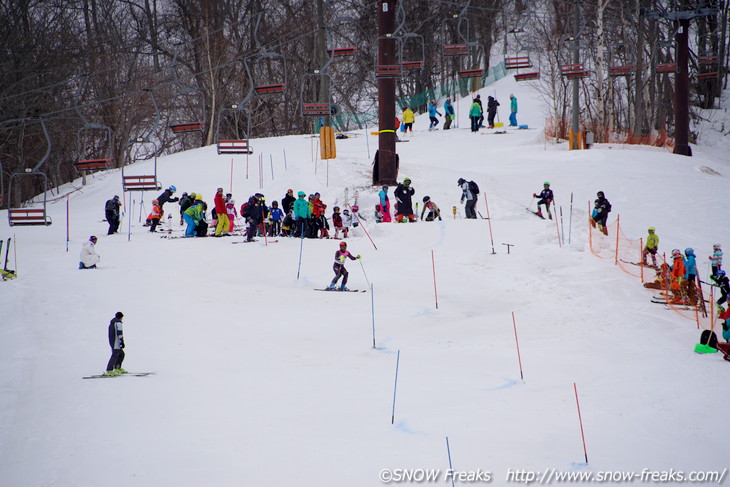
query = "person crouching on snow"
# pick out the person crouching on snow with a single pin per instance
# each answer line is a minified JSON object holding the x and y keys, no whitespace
{"x":89,"y":258}
{"x":339,"y":267}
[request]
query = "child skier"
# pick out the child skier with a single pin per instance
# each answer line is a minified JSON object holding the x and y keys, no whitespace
{"x":724,"y":284}
{"x":116,"y":341}
{"x":678,"y":272}
{"x":546,"y":198}
{"x":347,"y":222}
{"x":715,"y":260}
{"x":232,"y":212}
{"x":356,"y":216}
{"x":337,"y":223}
{"x":600,"y":213}
{"x":155,"y":216}
{"x":276,"y":218}
{"x":432,"y":112}
{"x":384,"y":204}
{"x":433,"y":210}
{"x":690,"y":276}
{"x":651,"y":247}
{"x":339,"y":267}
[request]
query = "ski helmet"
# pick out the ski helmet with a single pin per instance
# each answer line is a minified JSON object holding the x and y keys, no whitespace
{"x":689,"y":251}
{"x":355,"y":208}
{"x":406,"y":180}
{"x":716,"y":247}
{"x":172,"y":189}
{"x":155,"y":201}
{"x":193,"y":196}
{"x":720,"y":273}
{"x":92,"y":238}
{"x":546,"y":183}
{"x":343,"y":245}
{"x":426,"y":199}
{"x":301,"y":194}
{"x":385,"y":187}
{"x":336,"y":209}
{"x":651,"y":230}
{"x":676,"y":253}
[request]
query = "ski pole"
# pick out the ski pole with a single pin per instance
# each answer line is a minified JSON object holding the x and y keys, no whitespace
{"x":372,"y":311}
{"x":531,"y":202}
{"x":363,"y":227}
{"x":301,"y":247}
{"x":365,"y":273}
{"x":562,"y":226}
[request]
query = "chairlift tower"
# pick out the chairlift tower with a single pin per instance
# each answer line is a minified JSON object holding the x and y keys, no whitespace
{"x":386,"y":158}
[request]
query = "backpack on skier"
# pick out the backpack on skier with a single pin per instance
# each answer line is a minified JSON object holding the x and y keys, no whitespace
{"x":473,"y":187}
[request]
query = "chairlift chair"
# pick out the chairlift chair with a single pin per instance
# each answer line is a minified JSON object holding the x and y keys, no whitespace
{"x":517,"y":62}
{"x":472,"y":72}
{"x":238,"y":142}
{"x":573,"y":71}
{"x":667,"y":68}
{"x":91,"y":164}
{"x":313,"y":84}
{"x":416,"y":55}
{"x":395,"y":69}
{"x":181,"y":102}
{"x":144,"y":182}
{"x":277,"y":83}
{"x":25,"y":216}
{"x":626,"y":70}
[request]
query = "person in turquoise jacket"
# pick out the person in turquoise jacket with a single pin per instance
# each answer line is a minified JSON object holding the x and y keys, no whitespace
{"x":301,"y":214}
{"x":690,"y":274}
{"x":193,"y":216}
{"x":449,"y":112}
{"x":432,"y":112}
{"x":475,"y":114}
{"x":384,"y":204}
{"x":512,"y":110}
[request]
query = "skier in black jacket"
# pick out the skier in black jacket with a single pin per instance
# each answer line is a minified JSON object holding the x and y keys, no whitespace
{"x":546,"y":198}
{"x":111,"y":211}
{"x":403,"y":195}
{"x":602,"y":208}
{"x":116,"y":341}
{"x":492,"y":105}
{"x":287,"y":201}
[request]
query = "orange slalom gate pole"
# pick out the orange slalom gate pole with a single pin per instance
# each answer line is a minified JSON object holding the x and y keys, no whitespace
{"x":580,"y":419}
{"x":517,"y":342}
{"x":489,"y":221}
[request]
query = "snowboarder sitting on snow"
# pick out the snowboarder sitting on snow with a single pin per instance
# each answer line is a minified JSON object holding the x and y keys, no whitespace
{"x":155,"y":216}
{"x":403,"y":195}
{"x":89,"y":258}
{"x":433,"y":210}
{"x":339,"y":267}
{"x":546,"y":198}
{"x":116,"y":341}
{"x":601,"y":210}
{"x":651,"y":247}
{"x":715,"y":260}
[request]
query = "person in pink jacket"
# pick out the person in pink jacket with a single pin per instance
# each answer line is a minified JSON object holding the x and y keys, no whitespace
{"x":231,"y":212}
{"x":385,"y":204}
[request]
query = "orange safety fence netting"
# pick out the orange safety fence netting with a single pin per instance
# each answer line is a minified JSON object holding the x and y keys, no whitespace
{"x":687,"y":299}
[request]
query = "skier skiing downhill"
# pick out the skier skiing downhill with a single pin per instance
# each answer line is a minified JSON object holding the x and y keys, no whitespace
{"x":546,"y":198}
{"x":601,"y":208}
{"x":339,"y":267}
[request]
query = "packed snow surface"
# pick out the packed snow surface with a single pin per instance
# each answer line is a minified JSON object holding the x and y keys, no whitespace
{"x":262,"y":381}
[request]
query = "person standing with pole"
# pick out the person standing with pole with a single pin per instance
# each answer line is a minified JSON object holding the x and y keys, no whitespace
{"x":470,"y":196}
{"x":116,"y":341}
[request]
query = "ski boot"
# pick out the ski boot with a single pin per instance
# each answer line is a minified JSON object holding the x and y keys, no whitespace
{"x":343,"y":288}
{"x":120,"y":371}
{"x":331,"y":287}
{"x":111,"y":373}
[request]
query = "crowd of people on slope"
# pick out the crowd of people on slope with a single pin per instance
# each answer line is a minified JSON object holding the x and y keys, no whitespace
{"x":476,"y":114}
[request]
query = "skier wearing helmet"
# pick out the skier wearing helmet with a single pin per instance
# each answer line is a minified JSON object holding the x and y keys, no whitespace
{"x":432,"y":112}
{"x":602,"y":208}
{"x":339,"y":267}
{"x":166,"y":196}
{"x":385,"y":204}
{"x":403,"y":195}
{"x":678,"y":273}
{"x":715,"y":260}
{"x":546,"y":198}
{"x":432,"y":208}
{"x":690,"y":275}
{"x":651,"y":247}
{"x":724,"y":284}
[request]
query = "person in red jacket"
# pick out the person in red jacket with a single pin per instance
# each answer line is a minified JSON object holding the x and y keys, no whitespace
{"x":320,"y":220}
{"x":221,"y":214}
{"x":677,"y":276}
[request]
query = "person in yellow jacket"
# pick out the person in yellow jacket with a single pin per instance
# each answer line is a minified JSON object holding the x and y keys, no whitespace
{"x":408,"y":119}
{"x":651,"y":247}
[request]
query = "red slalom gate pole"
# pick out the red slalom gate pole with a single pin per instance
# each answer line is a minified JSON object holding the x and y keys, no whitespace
{"x":489,"y":221}
{"x":433,"y":266}
{"x":519,"y":359}
{"x":580,"y":419}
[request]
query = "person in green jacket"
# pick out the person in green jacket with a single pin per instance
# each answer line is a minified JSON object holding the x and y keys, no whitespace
{"x":651,"y":247}
{"x":193,"y":216}
{"x":301,"y":214}
{"x":475,"y":114}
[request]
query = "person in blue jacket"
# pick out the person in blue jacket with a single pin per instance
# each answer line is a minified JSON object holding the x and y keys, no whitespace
{"x":690,"y":274}
{"x":432,"y":112}
{"x":449,"y":112}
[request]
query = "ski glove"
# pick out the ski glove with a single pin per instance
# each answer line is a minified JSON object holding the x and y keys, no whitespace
{"x":534,"y":195}
{"x":359,"y":257}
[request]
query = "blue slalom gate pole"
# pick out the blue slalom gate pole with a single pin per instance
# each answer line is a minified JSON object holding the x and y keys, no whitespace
{"x":451,"y":467}
{"x":301,"y":246}
{"x":372,"y":311}
{"x":395,"y":387}
{"x":271,"y":162}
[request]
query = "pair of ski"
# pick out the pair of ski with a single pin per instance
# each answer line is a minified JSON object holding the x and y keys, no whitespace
{"x":6,"y":273}
{"x":535,"y":213}
{"x":341,"y":290}
{"x":125,"y":374}
{"x":639,"y":264}
{"x":254,"y":241}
